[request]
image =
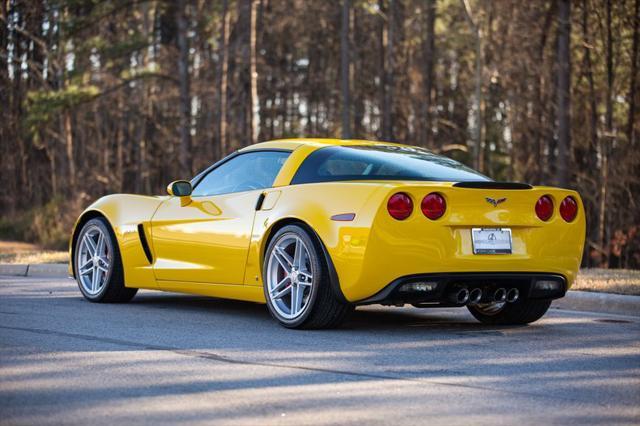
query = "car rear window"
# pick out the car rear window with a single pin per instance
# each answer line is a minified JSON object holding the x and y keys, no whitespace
{"x":381,"y":162}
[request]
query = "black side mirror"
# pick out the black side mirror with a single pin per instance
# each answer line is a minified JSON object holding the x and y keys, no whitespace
{"x":179,"y":188}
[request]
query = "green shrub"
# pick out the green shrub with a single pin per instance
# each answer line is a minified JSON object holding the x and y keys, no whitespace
{"x":48,"y":226}
{"x":15,"y":228}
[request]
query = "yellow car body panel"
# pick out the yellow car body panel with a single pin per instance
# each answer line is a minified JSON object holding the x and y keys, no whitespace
{"x":125,"y":212}
{"x":215,"y":245}
{"x":206,"y":240}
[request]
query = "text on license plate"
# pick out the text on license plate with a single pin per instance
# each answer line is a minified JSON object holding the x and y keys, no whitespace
{"x":491,"y":240}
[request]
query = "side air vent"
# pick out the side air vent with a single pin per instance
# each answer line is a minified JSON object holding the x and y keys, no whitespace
{"x":143,"y":242}
{"x":261,"y":198}
{"x":492,"y":185}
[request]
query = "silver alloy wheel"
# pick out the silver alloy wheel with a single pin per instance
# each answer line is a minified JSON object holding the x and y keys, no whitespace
{"x":93,"y":260}
{"x":491,"y":308}
{"x":289,"y":276}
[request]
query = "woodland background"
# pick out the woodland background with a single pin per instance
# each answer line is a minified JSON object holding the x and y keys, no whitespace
{"x":128,"y":95}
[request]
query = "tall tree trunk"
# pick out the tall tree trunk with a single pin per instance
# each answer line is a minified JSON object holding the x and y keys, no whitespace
{"x":592,"y":160}
{"x":541,"y":128}
{"x":148,"y":128}
{"x":358,"y":40}
{"x":51,"y":154}
{"x":388,"y":71}
{"x":475,"y":29}
{"x":119,"y":148}
{"x":9,"y":173}
{"x":631,"y":135}
{"x":185,"y":97}
{"x":344,"y":70}
{"x":564,"y":93}
{"x":255,"y":101}
{"x":607,"y":141}
{"x":241,"y":60}
{"x":223,"y":72}
{"x":429,"y":61}
{"x":382,"y":84}
{"x":68,"y":134}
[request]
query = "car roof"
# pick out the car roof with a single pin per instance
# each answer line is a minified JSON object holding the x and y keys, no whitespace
{"x":301,"y":148}
{"x":294,"y":143}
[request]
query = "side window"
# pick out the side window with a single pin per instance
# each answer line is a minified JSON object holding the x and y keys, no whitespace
{"x":246,"y":172}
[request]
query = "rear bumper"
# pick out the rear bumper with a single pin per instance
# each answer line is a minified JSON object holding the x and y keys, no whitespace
{"x":440,"y":286}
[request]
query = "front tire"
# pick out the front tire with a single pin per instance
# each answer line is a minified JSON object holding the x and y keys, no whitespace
{"x":523,"y":311}
{"x":297,"y":283}
{"x":98,"y":265}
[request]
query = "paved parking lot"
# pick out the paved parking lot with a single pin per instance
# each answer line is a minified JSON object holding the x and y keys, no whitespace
{"x":167,"y":357}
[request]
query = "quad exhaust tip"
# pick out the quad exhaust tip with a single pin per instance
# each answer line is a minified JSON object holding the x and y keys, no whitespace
{"x":475,"y":296}
{"x":460,"y":296}
{"x":500,"y":295}
{"x":463,"y":296}
{"x":513,"y":295}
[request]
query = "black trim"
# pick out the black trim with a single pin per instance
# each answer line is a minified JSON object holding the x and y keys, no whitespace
{"x":143,"y":242}
{"x":333,"y":274}
{"x":260,"y":201}
{"x":523,"y":280}
{"x":492,"y":185}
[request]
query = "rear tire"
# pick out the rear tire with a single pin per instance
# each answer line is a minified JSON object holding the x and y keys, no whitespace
{"x":306,"y":277}
{"x":98,"y":266}
{"x":523,"y":311}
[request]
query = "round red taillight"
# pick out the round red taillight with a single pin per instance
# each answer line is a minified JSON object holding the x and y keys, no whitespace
{"x":433,"y":206}
{"x":544,"y":208}
{"x":569,"y":209}
{"x":400,"y":206}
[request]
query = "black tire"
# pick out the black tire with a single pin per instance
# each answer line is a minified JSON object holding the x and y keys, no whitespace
{"x":523,"y":311}
{"x":324,"y":309}
{"x":114,"y":290}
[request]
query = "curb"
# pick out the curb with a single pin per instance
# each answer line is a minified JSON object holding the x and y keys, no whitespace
{"x":57,"y":270}
{"x":599,"y":302}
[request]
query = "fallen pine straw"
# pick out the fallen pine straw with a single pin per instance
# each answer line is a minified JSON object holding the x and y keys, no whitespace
{"x":619,"y":281}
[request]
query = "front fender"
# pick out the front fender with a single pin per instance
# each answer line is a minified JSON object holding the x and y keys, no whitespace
{"x":125,"y":212}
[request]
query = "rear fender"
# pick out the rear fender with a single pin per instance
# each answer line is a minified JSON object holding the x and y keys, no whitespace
{"x":315,"y":205}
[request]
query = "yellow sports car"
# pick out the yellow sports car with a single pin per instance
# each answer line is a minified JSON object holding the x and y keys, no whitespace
{"x":315,"y":227}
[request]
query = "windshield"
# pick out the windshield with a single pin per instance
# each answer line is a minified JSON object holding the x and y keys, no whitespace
{"x":381,"y":162}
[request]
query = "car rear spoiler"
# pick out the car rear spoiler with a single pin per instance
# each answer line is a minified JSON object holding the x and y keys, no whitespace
{"x":492,"y":185}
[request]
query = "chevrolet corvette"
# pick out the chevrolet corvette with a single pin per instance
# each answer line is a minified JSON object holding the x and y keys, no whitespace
{"x":316,"y":227}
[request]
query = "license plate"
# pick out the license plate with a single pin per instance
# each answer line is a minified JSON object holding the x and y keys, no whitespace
{"x":491,"y":240}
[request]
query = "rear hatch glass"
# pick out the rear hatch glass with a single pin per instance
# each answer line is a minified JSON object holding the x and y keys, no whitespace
{"x":381,"y":162}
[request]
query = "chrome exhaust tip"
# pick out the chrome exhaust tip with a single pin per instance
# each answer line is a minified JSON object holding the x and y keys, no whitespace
{"x":462,"y":296}
{"x":459,"y":296}
{"x":475,"y":296}
{"x":512,"y":295}
{"x":500,"y":295}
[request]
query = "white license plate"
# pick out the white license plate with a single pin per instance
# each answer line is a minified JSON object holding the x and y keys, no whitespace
{"x":491,"y":240}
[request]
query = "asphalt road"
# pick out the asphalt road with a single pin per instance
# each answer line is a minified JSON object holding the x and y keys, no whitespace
{"x":165,"y":358}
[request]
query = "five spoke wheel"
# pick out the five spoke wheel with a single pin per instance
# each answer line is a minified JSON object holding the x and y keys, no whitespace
{"x":289,"y":276}
{"x":93,"y":260}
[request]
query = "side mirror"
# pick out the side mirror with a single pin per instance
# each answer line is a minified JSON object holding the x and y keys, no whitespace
{"x":179,"y":188}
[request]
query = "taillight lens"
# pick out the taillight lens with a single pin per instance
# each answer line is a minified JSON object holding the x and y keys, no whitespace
{"x":544,"y":208}
{"x":433,"y":206}
{"x":400,"y":206}
{"x":569,"y":209}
